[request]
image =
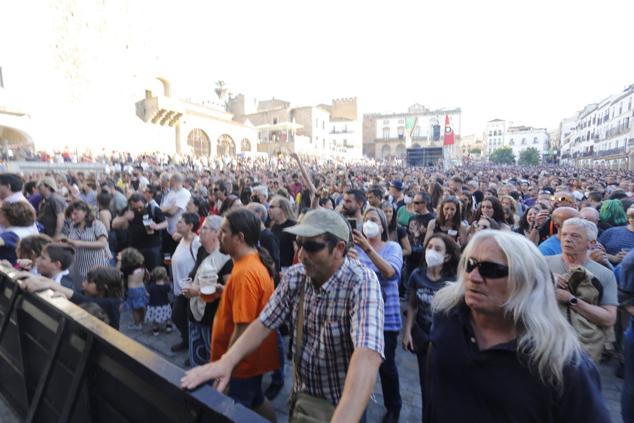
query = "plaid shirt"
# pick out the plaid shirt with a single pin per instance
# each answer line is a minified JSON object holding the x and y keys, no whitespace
{"x":344,"y":313}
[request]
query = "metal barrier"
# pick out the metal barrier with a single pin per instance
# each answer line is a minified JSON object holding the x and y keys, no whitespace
{"x":60,"y":364}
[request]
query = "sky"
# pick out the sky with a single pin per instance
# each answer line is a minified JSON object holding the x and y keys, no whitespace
{"x":533,"y":63}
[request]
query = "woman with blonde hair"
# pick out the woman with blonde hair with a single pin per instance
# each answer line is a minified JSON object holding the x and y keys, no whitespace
{"x":498,"y":336}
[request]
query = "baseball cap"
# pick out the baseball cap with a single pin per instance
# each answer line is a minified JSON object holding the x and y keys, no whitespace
{"x":321,"y":221}
{"x":49,"y":182}
{"x":397,"y":184}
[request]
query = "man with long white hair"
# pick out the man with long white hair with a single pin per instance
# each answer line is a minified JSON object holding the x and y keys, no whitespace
{"x":500,"y":348}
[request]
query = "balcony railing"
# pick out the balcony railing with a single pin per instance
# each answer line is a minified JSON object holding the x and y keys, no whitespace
{"x":611,"y":152}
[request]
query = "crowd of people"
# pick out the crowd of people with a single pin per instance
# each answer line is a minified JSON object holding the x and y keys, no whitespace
{"x":509,"y":284}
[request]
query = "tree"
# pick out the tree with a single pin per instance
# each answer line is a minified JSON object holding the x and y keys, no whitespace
{"x":503,"y":155}
{"x":529,"y":157}
{"x":476,"y":150}
{"x":221,"y":90}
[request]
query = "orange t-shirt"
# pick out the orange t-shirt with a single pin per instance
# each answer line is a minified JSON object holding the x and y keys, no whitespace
{"x":246,"y":293}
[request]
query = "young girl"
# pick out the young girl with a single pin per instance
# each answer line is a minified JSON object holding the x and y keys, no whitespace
{"x":159,"y":311}
{"x":132,"y":267}
{"x":102,"y":286}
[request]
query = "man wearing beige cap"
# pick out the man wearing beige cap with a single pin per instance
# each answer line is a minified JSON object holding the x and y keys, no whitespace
{"x":51,"y":214}
{"x":335,"y":306}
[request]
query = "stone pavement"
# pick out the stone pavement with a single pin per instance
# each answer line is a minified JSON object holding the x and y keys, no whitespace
{"x":408,"y":372}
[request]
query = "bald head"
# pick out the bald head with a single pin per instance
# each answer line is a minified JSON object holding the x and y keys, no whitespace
{"x":561,"y":214}
{"x":590,"y":214}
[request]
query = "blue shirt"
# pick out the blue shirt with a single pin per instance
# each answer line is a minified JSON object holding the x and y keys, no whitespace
{"x":393,"y":254}
{"x":617,"y":238}
{"x":495,"y":385}
{"x":550,"y":247}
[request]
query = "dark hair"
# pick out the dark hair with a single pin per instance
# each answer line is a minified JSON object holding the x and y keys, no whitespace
{"x":246,"y":222}
{"x":131,"y":259}
{"x":108,"y":281}
{"x":135,"y":198}
{"x":498,"y":211}
{"x":103,"y":200}
{"x":191,"y":219}
{"x":523,"y":224}
{"x":202,"y":205}
{"x":492,"y":223}
{"x":95,"y":310}
{"x":440,"y":220}
{"x":426,"y":199}
{"x":452,"y":248}
{"x":14,"y":181}
{"x":58,"y":251}
{"x":436,"y":194}
{"x":359,"y":196}
{"x":595,"y":196}
{"x":19,"y":213}
{"x":80,"y":205}
{"x":29,"y":187}
{"x":376,"y":191}
{"x":152,"y":189}
{"x":32,"y":245}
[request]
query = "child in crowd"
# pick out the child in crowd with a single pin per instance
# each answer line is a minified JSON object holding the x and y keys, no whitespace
{"x":132,"y":266}
{"x":29,"y":249}
{"x":102,"y":286}
{"x":54,"y":262}
{"x":159,"y":310}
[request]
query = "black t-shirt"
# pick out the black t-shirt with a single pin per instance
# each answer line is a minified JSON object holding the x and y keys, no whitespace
{"x":285,"y":240}
{"x":138,"y":236}
{"x":269,"y":242}
{"x":158,"y":294}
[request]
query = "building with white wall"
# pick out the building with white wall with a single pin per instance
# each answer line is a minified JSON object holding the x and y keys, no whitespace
{"x":494,"y":135}
{"x":385,"y":134}
{"x":602,"y":134}
{"x":520,"y":138}
{"x":325,"y":130}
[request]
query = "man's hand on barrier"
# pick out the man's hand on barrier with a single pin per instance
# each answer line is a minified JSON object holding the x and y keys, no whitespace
{"x":217,"y":370}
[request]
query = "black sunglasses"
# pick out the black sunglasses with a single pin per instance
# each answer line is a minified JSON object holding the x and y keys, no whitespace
{"x":310,"y":246}
{"x":487,"y":269}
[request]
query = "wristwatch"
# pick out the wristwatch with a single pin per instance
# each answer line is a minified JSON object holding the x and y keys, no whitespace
{"x":573,"y":301}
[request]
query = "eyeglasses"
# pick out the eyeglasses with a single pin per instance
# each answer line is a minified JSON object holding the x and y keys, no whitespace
{"x":310,"y":246}
{"x":487,"y":269}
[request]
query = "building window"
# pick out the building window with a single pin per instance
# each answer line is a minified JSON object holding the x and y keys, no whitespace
{"x":386,"y":133}
{"x":2,"y":82}
{"x":416,"y":131}
{"x":274,"y":121}
{"x":386,"y":122}
{"x":401,"y":132}
{"x":401,"y":121}
{"x":198,"y":143}
{"x":523,"y":141}
{"x":511,"y":142}
{"x":535,"y":140}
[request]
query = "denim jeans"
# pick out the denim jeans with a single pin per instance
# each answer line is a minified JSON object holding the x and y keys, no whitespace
{"x":278,"y":375}
{"x":389,"y":373}
{"x":627,"y":398}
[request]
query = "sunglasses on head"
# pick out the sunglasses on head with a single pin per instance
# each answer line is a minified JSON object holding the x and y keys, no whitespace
{"x":487,"y":269}
{"x":310,"y":246}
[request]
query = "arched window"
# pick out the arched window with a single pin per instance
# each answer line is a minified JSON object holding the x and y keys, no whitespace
{"x":198,"y":142}
{"x":226,"y":146}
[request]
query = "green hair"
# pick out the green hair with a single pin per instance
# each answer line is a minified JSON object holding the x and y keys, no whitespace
{"x":613,"y":213}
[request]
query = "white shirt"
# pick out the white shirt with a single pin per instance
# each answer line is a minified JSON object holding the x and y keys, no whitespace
{"x":183,"y":261}
{"x":60,"y":275}
{"x":178,"y":198}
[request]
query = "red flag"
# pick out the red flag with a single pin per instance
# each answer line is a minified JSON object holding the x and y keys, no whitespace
{"x":449,"y":135}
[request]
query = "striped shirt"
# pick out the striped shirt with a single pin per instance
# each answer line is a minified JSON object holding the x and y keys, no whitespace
{"x":345,"y":313}
{"x":87,"y":259}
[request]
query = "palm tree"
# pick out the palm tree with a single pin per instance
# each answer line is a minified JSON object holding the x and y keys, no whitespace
{"x":221,"y":90}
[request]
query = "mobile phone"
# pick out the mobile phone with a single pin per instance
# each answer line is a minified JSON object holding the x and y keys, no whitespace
{"x":353,"y":223}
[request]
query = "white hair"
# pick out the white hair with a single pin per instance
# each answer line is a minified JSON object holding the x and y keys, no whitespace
{"x":213,"y":222}
{"x":544,"y":337}
{"x":589,"y":227}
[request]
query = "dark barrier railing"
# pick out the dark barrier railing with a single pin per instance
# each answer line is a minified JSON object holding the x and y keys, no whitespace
{"x":60,"y":364}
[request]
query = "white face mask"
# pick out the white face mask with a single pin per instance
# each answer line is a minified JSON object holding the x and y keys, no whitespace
{"x":433,"y":258}
{"x":371,"y":229}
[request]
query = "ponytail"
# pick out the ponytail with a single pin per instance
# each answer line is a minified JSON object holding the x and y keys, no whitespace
{"x":268,"y":262}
